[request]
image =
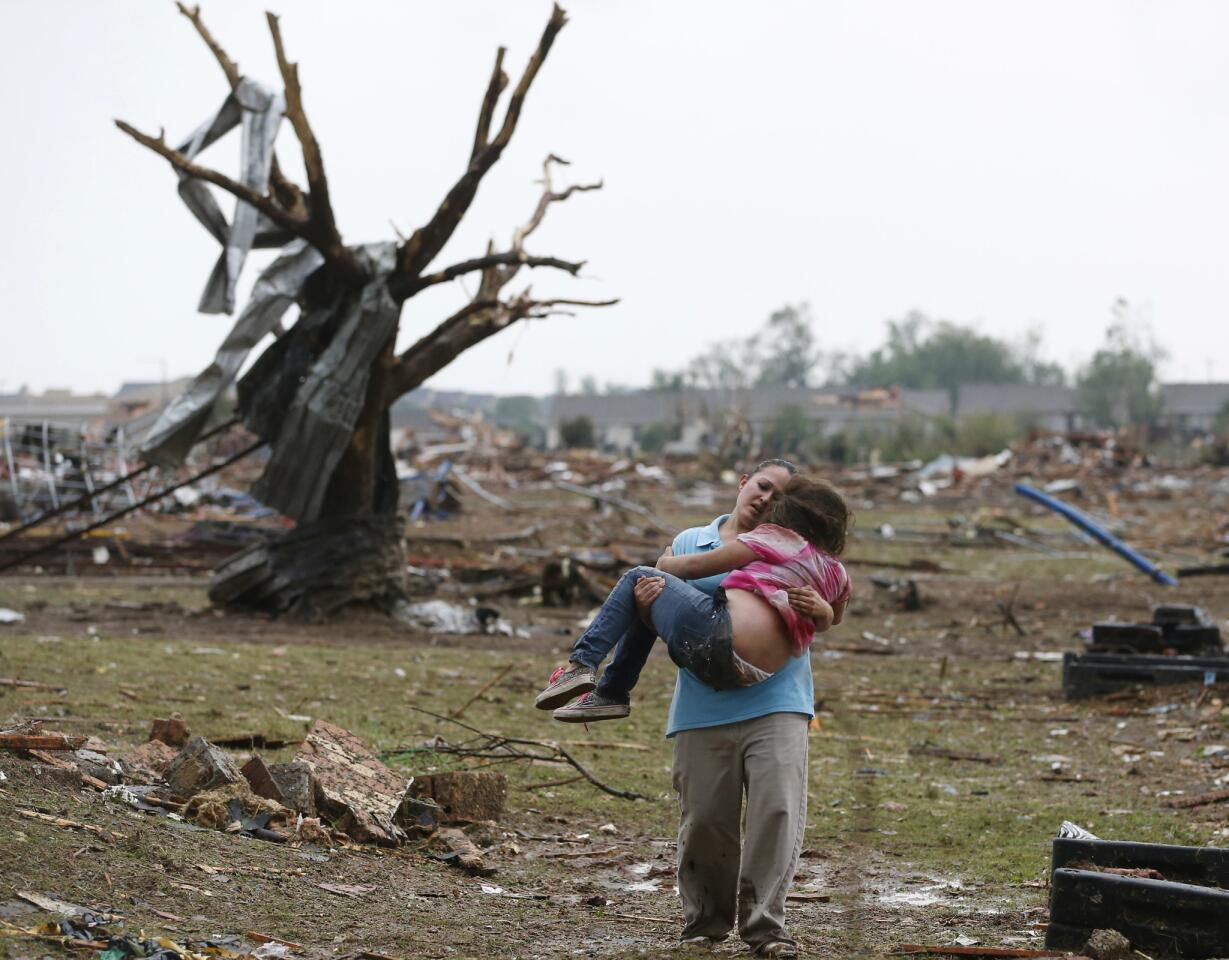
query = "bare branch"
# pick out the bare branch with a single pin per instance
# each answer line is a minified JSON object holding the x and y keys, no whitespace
{"x":495,"y":87}
{"x":558,"y":19}
{"x":473,"y":323}
{"x":265,"y":205}
{"x":548,"y":197}
{"x":285,"y":190}
{"x":427,"y":241}
{"x":229,"y":67}
{"x":517,"y":257}
{"x":321,"y":214}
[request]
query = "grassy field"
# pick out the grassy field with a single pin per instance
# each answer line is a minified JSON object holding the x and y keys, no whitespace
{"x":939,"y":770}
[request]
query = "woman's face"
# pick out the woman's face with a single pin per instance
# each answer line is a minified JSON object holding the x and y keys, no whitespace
{"x":755,"y":493}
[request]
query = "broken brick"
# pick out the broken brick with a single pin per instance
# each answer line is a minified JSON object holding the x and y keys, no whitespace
{"x":465,"y":796}
{"x":151,"y":758}
{"x":353,"y":786}
{"x":172,"y":730}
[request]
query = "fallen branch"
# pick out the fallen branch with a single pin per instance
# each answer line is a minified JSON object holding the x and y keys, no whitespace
{"x":494,"y":745}
{"x":636,"y":916}
{"x":1199,"y":800}
{"x":31,"y":685}
{"x":552,"y":783}
{"x":482,"y":690}
{"x":108,"y":835}
{"x":945,"y":753}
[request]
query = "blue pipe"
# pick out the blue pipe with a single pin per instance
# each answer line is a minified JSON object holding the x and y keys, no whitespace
{"x":1105,"y":537}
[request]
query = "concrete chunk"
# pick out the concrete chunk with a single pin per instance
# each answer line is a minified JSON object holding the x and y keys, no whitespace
{"x":297,"y":786}
{"x":200,"y":766}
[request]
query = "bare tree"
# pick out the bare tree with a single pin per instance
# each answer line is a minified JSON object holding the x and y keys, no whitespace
{"x":321,"y":392}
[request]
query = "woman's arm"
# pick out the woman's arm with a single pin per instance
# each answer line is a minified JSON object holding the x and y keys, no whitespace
{"x":838,"y":611}
{"x":696,"y":566}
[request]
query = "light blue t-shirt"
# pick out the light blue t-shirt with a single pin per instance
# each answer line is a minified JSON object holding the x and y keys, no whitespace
{"x":790,"y":690}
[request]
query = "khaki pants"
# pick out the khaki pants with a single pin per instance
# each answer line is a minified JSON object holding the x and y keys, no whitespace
{"x":765,"y":758}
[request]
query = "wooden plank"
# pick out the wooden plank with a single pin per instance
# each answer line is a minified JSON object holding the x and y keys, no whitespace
{"x":42,"y":741}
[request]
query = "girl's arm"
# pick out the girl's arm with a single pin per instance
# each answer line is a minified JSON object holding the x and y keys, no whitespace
{"x":696,"y":566}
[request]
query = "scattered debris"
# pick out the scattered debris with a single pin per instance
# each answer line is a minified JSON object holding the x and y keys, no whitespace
{"x":8,"y":616}
{"x":454,"y":847}
{"x":1108,"y":945}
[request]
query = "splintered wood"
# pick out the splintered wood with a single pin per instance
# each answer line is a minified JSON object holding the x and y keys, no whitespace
{"x":42,"y":741}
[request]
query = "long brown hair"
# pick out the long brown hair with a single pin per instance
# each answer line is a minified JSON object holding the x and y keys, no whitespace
{"x":813,"y":510}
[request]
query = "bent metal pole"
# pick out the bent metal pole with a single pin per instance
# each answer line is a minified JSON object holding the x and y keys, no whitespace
{"x":1106,"y":538}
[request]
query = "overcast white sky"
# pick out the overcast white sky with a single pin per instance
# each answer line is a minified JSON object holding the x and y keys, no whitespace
{"x":1001,"y":164}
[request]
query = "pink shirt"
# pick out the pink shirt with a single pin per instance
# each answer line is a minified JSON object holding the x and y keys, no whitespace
{"x":787,"y":560}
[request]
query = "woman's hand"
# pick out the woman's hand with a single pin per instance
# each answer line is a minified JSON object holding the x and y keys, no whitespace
{"x":646,"y":590}
{"x":807,"y":602}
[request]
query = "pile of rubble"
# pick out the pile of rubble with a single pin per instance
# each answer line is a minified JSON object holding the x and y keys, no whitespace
{"x":335,"y":791}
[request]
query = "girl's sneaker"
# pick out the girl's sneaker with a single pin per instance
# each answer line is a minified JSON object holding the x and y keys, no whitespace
{"x":592,"y":706}
{"x":564,"y":684}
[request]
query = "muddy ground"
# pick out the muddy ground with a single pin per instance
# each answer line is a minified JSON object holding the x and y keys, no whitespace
{"x":943,"y":760}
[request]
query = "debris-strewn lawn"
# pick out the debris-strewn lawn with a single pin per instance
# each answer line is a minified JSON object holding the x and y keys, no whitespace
{"x":942,"y":763}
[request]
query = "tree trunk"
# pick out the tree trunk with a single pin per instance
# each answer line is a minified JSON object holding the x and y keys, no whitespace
{"x":354,"y":554}
{"x":317,"y":568}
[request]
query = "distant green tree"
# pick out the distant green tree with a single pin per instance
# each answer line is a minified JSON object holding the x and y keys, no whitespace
{"x":1036,"y":370}
{"x":588,"y":385}
{"x":1220,"y":425}
{"x":786,"y":348}
{"x":726,"y":365}
{"x":578,"y":433}
{"x":981,"y":434}
{"x":790,"y":431}
{"x":519,"y":414}
{"x":922,"y":354}
{"x":1118,"y":386}
{"x":653,"y":437}
{"x":561,"y":382}
{"x":670,"y":381}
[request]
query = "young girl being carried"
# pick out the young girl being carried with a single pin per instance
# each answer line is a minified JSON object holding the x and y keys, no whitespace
{"x":747,"y":630}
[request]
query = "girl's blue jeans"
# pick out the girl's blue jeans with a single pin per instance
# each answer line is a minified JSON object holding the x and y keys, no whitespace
{"x":695,"y":627}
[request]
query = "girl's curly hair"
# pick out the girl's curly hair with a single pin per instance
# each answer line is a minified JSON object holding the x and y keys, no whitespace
{"x":814,"y":510}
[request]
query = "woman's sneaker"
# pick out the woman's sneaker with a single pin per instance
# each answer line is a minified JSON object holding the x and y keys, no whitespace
{"x":564,"y":684}
{"x":592,"y":706}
